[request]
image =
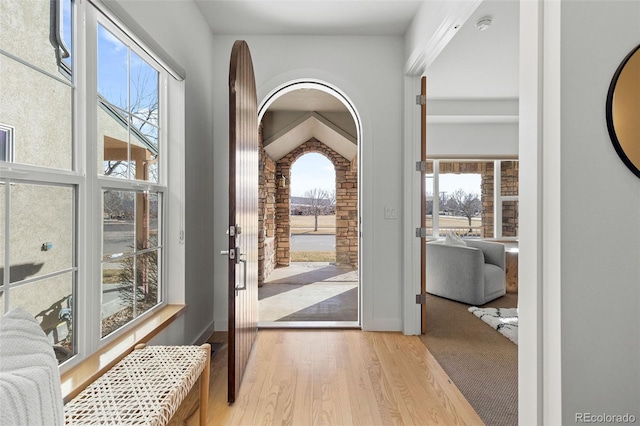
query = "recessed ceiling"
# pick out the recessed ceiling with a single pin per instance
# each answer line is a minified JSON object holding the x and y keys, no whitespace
{"x":311,"y":125}
{"x":309,"y":17}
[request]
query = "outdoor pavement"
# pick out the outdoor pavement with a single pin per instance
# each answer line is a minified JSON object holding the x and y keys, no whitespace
{"x":310,"y":291}
{"x":307,"y":242}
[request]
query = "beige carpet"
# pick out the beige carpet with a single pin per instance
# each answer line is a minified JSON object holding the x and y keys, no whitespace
{"x":481,"y":362}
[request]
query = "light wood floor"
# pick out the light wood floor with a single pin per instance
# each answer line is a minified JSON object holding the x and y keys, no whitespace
{"x":337,"y":377}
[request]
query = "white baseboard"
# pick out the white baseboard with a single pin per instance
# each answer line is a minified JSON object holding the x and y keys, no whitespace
{"x":221,"y":325}
{"x":393,"y":324}
{"x":205,"y":334}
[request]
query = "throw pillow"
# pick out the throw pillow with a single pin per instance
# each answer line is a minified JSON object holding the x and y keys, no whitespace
{"x":454,"y":240}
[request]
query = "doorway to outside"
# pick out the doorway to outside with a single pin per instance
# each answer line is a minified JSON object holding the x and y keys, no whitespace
{"x":308,"y":209}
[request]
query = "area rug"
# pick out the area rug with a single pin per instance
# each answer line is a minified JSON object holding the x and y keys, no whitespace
{"x":504,"y":320}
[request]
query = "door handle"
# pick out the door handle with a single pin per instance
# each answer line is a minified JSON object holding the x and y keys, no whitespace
{"x":231,"y":253}
{"x":244,"y":273}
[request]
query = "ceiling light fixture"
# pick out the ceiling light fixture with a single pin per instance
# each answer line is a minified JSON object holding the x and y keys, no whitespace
{"x":484,"y":23}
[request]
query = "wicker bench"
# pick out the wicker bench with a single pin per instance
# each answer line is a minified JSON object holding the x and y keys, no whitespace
{"x":144,"y":388}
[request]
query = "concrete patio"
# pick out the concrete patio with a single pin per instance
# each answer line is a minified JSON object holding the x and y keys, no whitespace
{"x":309,"y":291}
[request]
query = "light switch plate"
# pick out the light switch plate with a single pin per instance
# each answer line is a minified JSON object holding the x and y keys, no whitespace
{"x":390,"y":213}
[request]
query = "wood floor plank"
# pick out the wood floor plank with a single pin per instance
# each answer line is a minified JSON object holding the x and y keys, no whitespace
{"x":338,"y":377}
{"x":366,"y":410}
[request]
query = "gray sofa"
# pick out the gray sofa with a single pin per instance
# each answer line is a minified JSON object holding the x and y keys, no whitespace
{"x":472,"y":274}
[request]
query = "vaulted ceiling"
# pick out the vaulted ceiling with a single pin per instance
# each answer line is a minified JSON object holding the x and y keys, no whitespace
{"x":311,"y":125}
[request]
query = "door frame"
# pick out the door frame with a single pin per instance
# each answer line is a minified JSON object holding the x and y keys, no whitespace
{"x":263,"y":106}
{"x":539,"y":353}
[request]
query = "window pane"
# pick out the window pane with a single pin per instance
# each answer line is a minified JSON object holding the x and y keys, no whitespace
{"x":42,"y":230}
{"x":113,"y":69}
{"x":6,"y":143}
{"x":39,"y":108}
{"x":2,"y":236}
{"x":509,"y":178}
{"x":144,"y":153}
{"x":143,"y":86}
{"x":460,"y":198}
{"x":119,"y":219}
{"x":127,"y":111}
{"x":113,"y":141}
{"x":147,"y":281}
{"x":66,"y":32}
{"x":509,"y":218}
{"x":25,"y":28}
{"x":51,"y":302}
{"x":144,"y":150}
{"x":429,"y":203}
{"x":133,"y":278}
{"x":147,"y":207}
{"x":117,"y":294}
{"x":154,"y":211}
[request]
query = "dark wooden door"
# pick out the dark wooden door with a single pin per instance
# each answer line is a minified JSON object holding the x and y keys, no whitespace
{"x":243,"y":214}
{"x":423,"y":201}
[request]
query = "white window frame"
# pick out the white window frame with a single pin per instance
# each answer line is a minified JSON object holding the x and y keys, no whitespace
{"x":103,"y":183}
{"x":88,"y":184}
{"x":21,"y":173}
{"x":497,"y":197}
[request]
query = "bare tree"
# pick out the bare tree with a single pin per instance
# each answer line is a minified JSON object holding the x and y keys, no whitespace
{"x":332,"y":202}
{"x":143,"y":116}
{"x":465,"y":204}
{"x":319,"y":200}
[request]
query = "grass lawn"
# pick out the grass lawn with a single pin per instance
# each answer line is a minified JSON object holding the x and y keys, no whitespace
{"x":327,"y":224}
{"x":305,"y":225}
{"x":313,"y":256}
{"x":454,"y":221}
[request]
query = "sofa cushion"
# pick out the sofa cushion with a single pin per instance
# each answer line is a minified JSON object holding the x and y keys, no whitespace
{"x":494,"y":282}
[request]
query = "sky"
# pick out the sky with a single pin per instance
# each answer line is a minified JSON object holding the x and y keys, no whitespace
{"x":451,"y":182}
{"x":312,"y":171}
{"x":316,"y":171}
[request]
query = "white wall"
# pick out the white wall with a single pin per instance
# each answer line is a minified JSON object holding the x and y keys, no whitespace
{"x":472,"y":128}
{"x":600,"y":217}
{"x":369,"y":71}
{"x":472,"y":140}
{"x":181,"y":30}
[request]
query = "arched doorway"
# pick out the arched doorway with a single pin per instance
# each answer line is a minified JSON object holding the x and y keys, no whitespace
{"x":298,"y":119}
{"x":312,"y":205}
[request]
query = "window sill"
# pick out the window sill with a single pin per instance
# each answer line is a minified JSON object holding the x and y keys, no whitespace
{"x":88,"y":370}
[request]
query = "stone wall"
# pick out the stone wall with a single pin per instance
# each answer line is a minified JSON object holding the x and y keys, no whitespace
{"x":346,"y":204}
{"x":266,"y":216}
{"x":509,"y":186}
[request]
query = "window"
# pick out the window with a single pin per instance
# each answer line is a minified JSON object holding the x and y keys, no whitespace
{"x":83,"y":217}
{"x":6,"y":143}
{"x":40,"y":191}
{"x":476,"y":198}
{"x":129,"y":130}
